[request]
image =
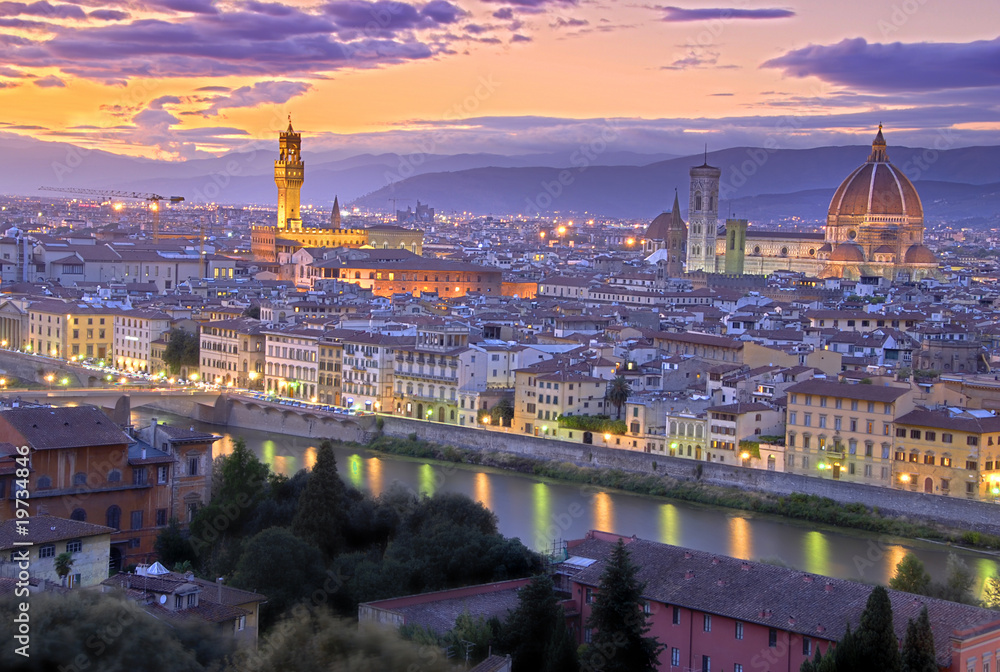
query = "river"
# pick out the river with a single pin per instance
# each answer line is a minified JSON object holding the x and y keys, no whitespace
{"x":539,"y":511}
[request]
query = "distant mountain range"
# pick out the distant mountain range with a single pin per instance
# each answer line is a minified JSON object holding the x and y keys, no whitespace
{"x":756,"y":184}
{"x":761,"y":185}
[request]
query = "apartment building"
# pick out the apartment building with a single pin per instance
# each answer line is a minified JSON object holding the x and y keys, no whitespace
{"x":950,"y":451}
{"x":233,"y":352}
{"x":438,"y":376}
{"x":548,"y":390}
{"x":731,"y":423}
{"x":331,"y":362}
{"x":134,"y":334}
{"x":369,"y":362}
{"x":70,"y":331}
{"x":292,"y":362}
{"x":843,"y":431}
{"x":714,"y":612}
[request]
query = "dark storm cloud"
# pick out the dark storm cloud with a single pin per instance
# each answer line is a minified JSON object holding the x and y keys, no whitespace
{"x":920,"y":66}
{"x":680,"y":14}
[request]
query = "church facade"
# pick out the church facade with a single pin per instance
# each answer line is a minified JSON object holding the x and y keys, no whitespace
{"x":874,"y":229}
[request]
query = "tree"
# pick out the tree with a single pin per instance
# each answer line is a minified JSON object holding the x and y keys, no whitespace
{"x":312,"y":640}
{"x":958,"y":582}
{"x":64,"y":563}
{"x":319,"y":519}
{"x":105,"y":631}
{"x":183,"y":349}
{"x":502,"y":413}
{"x":171,"y":546}
{"x":253,"y":311}
{"x":910,"y":576}
{"x":918,"y":646}
{"x":239,"y":483}
{"x":280,"y":565}
{"x":535,"y":633}
{"x":618,"y":393}
{"x":877,"y":646}
{"x":992,"y":592}
{"x":618,"y":621}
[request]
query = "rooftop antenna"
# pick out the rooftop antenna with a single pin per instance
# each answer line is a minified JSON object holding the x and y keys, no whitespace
{"x":706,"y":153}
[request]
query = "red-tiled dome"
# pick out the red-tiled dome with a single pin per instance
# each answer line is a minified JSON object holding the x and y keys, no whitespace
{"x":918,"y":254}
{"x":848,"y":252}
{"x":876,"y":188}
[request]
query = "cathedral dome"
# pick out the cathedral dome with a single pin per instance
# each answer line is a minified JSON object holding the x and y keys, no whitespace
{"x":659,"y":227}
{"x":848,"y":252}
{"x":876,"y":188}
{"x":918,"y":254}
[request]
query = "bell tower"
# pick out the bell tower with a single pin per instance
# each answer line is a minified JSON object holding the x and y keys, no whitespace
{"x":703,"y":217}
{"x":289,"y":174}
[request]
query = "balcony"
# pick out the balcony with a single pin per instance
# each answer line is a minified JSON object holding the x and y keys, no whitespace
{"x":426,"y":376}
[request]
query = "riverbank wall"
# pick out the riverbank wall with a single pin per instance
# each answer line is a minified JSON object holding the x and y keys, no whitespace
{"x":914,"y":506}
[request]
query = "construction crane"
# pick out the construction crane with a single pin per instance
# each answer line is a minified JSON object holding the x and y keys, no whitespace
{"x":154,"y":200}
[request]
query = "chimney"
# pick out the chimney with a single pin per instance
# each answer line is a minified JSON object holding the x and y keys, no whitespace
{"x":152,"y":432}
{"x":828,"y":587}
{"x":144,"y":452}
{"x":745,"y":566}
{"x":689,"y":574}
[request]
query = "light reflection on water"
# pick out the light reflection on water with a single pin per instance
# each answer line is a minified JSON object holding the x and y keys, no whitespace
{"x":537,"y":512}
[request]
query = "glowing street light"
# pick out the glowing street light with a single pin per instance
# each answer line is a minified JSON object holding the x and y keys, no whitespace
{"x":744,"y":455}
{"x":904,"y":478}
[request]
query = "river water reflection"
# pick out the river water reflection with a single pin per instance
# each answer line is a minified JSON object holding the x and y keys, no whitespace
{"x":539,"y":511}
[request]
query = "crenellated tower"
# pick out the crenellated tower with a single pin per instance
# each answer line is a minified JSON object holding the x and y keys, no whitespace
{"x":289,"y":174}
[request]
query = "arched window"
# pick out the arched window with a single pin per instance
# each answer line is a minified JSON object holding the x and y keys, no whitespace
{"x":114,"y":476}
{"x":44,"y":483}
{"x":79,"y":478}
{"x":697,"y":200}
{"x":78,"y":514}
{"x":114,"y":517}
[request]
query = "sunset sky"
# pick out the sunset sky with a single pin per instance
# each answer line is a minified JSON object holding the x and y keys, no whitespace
{"x":184,"y":78}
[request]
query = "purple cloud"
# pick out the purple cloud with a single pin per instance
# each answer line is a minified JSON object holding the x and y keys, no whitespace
{"x":569,"y":23}
{"x":189,"y":6}
{"x":9,"y":85}
{"x":442,"y":11}
{"x":679,"y":14}
{"x":214,"y":89}
{"x":385,"y":17}
{"x":520,"y":38}
{"x":504,"y":14}
{"x":41,"y":9}
{"x":259,"y":94}
{"x":534,"y":3}
{"x":919,"y":66}
{"x":109,"y":15}
{"x":50,"y":82}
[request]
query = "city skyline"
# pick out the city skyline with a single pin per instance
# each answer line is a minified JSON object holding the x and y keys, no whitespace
{"x":183,"y":79}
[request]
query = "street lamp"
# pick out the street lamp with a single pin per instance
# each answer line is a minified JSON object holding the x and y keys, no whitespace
{"x":607,"y":437}
{"x":49,"y":378}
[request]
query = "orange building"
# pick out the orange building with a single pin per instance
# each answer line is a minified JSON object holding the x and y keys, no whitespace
{"x":416,"y":275}
{"x":84,"y":467}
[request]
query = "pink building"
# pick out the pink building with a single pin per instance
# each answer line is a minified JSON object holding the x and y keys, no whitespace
{"x":715,"y":613}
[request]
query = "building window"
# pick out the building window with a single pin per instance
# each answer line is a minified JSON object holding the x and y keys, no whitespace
{"x":161,"y":517}
{"x":139,"y":476}
{"x":161,"y":474}
{"x":772,"y":638}
{"x":588,"y":633}
{"x":706,"y":664}
{"x":677,"y":616}
{"x":192,"y":600}
{"x":114,"y":517}
{"x":739,"y":630}
{"x":47,"y":551}
{"x":708,"y":623}
{"x":241,"y":624}
{"x":178,"y":602}
{"x":136,"y":520}
{"x":806,"y":646}
{"x":675,"y":657}
{"x":589,"y":596}
{"x":74,"y":546}
{"x":78,"y":514}
{"x":192,"y":466}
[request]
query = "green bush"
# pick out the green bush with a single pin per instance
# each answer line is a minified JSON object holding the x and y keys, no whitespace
{"x":599,"y":424}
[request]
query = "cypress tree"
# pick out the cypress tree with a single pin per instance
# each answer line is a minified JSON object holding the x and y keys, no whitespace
{"x":846,"y":652}
{"x":319,"y":519}
{"x":535,"y":634}
{"x":877,"y":646}
{"x":619,"y":642}
{"x":918,"y":647}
